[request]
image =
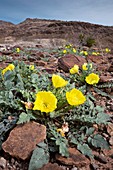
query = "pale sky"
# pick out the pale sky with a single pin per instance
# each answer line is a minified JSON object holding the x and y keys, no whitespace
{"x":92,"y":11}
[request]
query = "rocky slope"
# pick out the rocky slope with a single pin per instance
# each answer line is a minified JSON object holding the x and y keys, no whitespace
{"x":35,"y":29}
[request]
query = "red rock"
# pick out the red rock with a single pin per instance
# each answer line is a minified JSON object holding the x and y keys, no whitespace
{"x":51,"y":166}
{"x":40,"y":55}
{"x":75,"y":158}
{"x":110,"y":129}
{"x":23,"y":139}
{"x":107,"y":78}
{"x":68,"y":61}
{"x":111,"y":140}
{"x":6,"y":52}
{"x":95,"y":59}
{"x":50,"y":70}
{"x":39,"y":46}
{"x":111,"y":68}
{"x":40,"y":63}
{"x":103,"y":67}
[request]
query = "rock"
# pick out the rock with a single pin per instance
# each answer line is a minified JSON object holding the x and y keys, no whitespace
{"x":103,"y":67}
{"x":105,"y":79}
{"x":108,"y":152}
{"x":68,"y":61}
{"x":40,"y":55}
{"x":51,"y":166}
{"x":16,"y":46}
{"x":6,"y":52}
{"x":74,"y":168}
{"x":3,"y":163}
{"x":39,"y":46}
{"x":75,"y":158}
{"x":101,"y":158}
{"x":111,"y":68}
{"x":23,"y":139}
{"x":110,"y":129}
{"x":50,"y":70}
{"x":96,"y":59}
{"x":40,"y":63}
{"x":111,"y":140}
{"x":94,"y":166}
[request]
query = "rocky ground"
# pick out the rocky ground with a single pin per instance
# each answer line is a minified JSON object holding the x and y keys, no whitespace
{"x":55,"y":32}
{"x":49,"y":60}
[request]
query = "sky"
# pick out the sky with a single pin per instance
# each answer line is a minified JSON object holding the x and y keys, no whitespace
{"x":92,"y":11}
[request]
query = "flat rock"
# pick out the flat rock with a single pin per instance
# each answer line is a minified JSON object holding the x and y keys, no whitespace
{"x":96,"y":59}
{"x":103,"y":67}
{"x":111,"y":68}
{"x":23,"y":139}
{"x":51,"y":166}
{"x":75,"y":158}
{"x":105,"y":79}
{"x":111,"y":140}
{"x":6,"y":52}
{"x":110,"y":129}
{"x":68,"y":61}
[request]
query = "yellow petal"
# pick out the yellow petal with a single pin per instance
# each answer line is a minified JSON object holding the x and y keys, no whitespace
{"x":58,"y":81}
{"x":75,"y":97}
{"x":92,"y":78}
{"x":45,"y":102}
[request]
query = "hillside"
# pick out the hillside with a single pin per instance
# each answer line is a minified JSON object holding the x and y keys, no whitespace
{"x":33,"y":29}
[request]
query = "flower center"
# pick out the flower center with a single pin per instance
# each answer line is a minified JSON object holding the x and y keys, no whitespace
{"x":45,"y":105}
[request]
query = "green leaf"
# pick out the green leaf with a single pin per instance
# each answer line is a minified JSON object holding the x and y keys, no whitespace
{"x":39,"y":157}
{"x":23,"y":118}
{"x":91,"y":96}
{"x":103,"y":93}
{"x":90,"y":131}
{"x":74,"y":140}
{"x":9,"y":75}
{"x":85,"y":149}
{"x":98,"y":141}
{"x":63,"y":150}
{"x":102,"y":118}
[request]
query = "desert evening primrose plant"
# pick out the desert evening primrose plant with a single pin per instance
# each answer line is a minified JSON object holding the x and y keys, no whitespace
{"x":10,"y":67}
{"x":62,"y":103}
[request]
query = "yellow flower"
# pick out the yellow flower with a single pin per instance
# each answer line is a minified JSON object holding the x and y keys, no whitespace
{"x":61,"y":132}
{"x":74,"y":50}
{"x":92,"y":78}
{"x":31,"y":67}
{"x":94,"y":53}
{"x":107,"y":50}
{"x":64,"y":51}
{"x":75,"y":97}
{"x":58,"y":81}
{"x":45,"y":102}
{"x":85,"y":66}
{"x":9,"y":67}
{"x":68,"y":46}
{"x":4,"y":71}
{"x":85,"y":53}
{"x":17,"y":50}
{"x":74,"y":69}
{"x":98,"y":53}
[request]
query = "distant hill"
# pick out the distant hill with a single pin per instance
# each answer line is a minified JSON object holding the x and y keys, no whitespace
{"x":31,"y":29}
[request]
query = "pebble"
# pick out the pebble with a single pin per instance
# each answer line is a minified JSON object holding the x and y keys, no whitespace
{"x":94,"y":166}
{"x":101,"y":158}
{"x":75,"y":168}
{"x":3,"y":162}
{"x":111,"y":140}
